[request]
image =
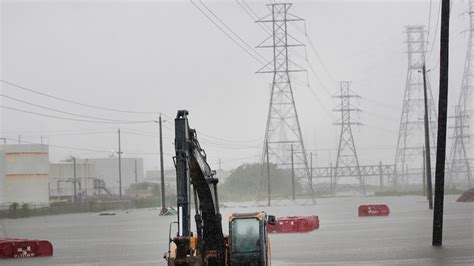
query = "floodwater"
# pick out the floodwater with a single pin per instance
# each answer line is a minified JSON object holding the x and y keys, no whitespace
{"x":140,"y":237}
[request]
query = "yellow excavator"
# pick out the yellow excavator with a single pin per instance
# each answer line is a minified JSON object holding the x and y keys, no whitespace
{"x":247,"y":242}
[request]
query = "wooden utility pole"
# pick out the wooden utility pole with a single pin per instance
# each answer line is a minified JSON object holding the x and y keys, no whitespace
{"x":427,"y":156}
{"x":269,"y":192}
{"x":75,"y":180}
{"x":292,"y":174}
{"x":136,"y":175}
{"x":311,"y":172}
{"x":162,"y":171}
{"x":381,"y":175}
{"x":120,"y":164}
{"x":424,"y":174}
{"x":442,"y":119}
{"x":331,"y":186}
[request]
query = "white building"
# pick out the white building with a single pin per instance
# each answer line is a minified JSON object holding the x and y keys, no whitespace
{"x":61,"y":177}
{"x":107,"y":169}
{"x":2,"y":175}
{"x":24,"y":173}
{"x":170,"y":179}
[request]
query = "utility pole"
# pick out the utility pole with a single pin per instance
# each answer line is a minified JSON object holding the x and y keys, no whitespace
{"x":311,"y":168}
{"x":292,"y":174}
{"x":442,"y":117}
{"x":120,"y":164}
{"x":283,"y":126}
{"x":163,"y":211}
{"x":136,"y":175}
{"x":58,"y":189}
{"x":269,"y":192}
{"x":427,"y":141}
{"x":331,"y":174}
{"x":381,"y":175}
{"x":424,"y":174}
{"x":74,"y":180}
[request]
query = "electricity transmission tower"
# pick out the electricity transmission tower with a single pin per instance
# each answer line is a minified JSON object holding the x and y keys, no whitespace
{"x":346,"y":152}
{"x":460,"y":163}
{"x":410,"y":144}
{"x":283,"y":127}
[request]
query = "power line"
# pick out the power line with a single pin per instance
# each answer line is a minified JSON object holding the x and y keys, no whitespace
{"x":74,"y":134}
{"x":227,"y":34}
{"x":436,"y":29}
{"x":67,"y":118}
{"x":251,"y":13}
{"x":73,"y":114}
{"x":385,"y":117}
{"x":127,"y":132}
{"x":380,"y":104}
{"x":73,"y":131}
{"x":316,"y":97}
{"x":74,"y":102}
{"x":429,"y":21}
{"x":64,"y":147}
{"x":233,"y":32}
{"x":90,"y":150}
{"x":313,"y":49}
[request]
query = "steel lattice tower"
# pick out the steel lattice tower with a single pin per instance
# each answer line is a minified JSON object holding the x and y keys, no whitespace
{"x":283,"y":127}
{"x":460,"y":163}
{"x":346,"y":152}
{"x":410,"y":144}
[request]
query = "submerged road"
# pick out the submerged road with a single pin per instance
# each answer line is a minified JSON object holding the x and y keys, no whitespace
{"x":139,"y":237}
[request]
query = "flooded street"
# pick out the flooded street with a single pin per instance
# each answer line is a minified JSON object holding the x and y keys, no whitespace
{"x":139,"y":237}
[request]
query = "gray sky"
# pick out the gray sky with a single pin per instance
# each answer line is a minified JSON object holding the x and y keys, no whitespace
{"x":164,"y":56}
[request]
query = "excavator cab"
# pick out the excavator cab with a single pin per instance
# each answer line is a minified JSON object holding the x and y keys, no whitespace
{"x":248,"y":238}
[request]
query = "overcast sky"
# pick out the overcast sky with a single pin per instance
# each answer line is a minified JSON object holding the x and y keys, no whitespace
{"x":158,"y":56}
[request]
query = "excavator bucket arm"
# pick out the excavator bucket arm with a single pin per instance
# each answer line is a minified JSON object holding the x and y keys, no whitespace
{"x":192,"y":169}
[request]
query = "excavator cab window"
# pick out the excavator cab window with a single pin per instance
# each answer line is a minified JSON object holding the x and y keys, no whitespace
{"x":245,"y":235}
{"x":248,"y":242}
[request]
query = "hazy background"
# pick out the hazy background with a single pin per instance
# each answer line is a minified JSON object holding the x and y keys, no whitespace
{"x":161,"y":56}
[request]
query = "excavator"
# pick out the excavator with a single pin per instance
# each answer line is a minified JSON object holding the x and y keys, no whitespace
{"x":247,"y":242}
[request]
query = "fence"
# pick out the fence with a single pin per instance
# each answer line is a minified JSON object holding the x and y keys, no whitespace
{"x":16,"y":210}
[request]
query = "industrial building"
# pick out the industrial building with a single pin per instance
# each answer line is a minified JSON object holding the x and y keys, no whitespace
{"x":24,"y":173}
{"x":91,"y":170}
{"x":61,"y":179}
{"x":108,"y":170}
{"x":170,"y":178}
{"x":2,"y":175}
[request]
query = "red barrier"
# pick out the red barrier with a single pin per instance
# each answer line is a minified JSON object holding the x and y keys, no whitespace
{"x":374,"y":210}
{"x":294,"y":224}
{"x":22,"y":248}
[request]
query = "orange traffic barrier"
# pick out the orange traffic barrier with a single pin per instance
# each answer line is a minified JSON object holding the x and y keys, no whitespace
{"x":22,"y":248}
{"x":374,"y":210}
{"x":294,"y":224}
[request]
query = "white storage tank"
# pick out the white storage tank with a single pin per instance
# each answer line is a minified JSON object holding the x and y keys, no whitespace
{"x":26,"y":173}
{"x":2,"y":175}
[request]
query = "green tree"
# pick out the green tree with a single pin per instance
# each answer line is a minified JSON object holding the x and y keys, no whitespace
{"x":242,"y":184}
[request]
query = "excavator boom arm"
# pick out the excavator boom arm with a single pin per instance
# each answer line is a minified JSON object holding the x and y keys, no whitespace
{"x":192,"y":170}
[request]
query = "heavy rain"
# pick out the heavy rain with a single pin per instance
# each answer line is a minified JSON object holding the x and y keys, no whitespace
{"x":236,"y":132}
